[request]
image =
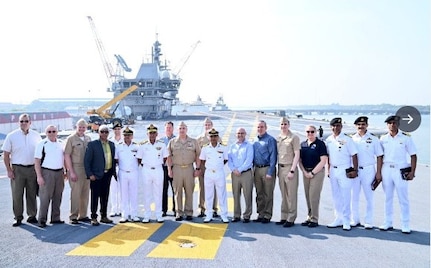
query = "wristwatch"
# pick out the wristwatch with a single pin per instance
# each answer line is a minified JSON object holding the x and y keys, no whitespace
{"x":198,"y":168}
{"x":292,"y":171}
{"x":312,"y":173}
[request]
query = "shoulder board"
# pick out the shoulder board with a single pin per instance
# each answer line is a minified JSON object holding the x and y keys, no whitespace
{"x":222,"y":143}
{"x":405,"y":133}
{"x":349,"y":135}
{"x":206,"y":144}
{"x":143,"y":142}
{"x":160,"y":141}
{"x":372,"y":134}
{"x":134,"y":142}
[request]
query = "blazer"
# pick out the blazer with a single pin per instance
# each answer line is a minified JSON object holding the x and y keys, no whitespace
{"x":94,"y":159}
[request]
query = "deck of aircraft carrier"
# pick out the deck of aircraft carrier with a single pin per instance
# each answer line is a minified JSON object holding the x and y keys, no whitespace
{"x":194,"y":244}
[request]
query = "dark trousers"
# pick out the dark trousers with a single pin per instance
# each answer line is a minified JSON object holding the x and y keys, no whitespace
{"x":166,"y":181}
{"x":100,"y":192}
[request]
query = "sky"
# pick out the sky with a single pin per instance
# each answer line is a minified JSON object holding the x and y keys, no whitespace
{"x":273,"y":53}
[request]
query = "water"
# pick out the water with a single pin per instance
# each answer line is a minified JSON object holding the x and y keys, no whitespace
{"x":420,"y":136}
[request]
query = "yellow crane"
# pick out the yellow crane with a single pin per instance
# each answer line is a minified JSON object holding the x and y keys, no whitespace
{"x":104,"y":114}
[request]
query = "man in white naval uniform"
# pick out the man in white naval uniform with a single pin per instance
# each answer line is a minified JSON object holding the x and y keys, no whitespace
{"x":128,"y":175}
{"x":152,"y":156}
{"x":369,"y":152}
{"x":214,"y":156}
{"x":397,"y":148}
{"x":343,"y":166}
{"x":114,"y":187}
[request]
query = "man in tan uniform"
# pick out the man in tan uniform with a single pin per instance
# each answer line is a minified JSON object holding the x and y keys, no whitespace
{"x":183,"y":152}
{"x":74,"y":153}
{"x":288,"y":146}
{"x":204,"y":139}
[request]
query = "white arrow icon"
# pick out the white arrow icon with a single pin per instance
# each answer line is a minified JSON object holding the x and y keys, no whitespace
{"x":410,"y":118}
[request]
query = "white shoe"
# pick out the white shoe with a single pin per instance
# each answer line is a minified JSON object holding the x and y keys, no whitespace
{"x":207,"y":220}
{"x":405,"y":230}
{"x":355,"y":224}
{"x":335,"y":224}
{"x":160,"y":219}
{"x":368,"y":226}
{"x":224,"y":219}
{"x":386,"y":227}
{"x":346,"y":227}
{"x":123,"y":220}
{"x":136,"y":219}
{"x":146,"y":220}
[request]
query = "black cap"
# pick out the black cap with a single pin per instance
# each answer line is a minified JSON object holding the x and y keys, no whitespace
{"x":336,"y":120}
{"x":117,"y":124}
{"x":127,"y":131}
{"x":361,"y":119}
{"x":392,"y":118}
{"x":213,"y":133}
{"x":151,"y":128}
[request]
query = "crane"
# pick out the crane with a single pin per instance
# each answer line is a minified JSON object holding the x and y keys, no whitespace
{"x":109,"y":71}
{"x":184,"y":60}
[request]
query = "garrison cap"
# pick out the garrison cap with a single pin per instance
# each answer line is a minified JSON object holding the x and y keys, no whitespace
{"x":207,"y":120}
{"x":284,"y":120}
{"x":127,"y":131}
{"x":361,"y":119}
{"x":151,"y":128}
{"x":336,"y":120}
{"x":117,"y":124}
{"x":182,"y":124}
{"x":392,"y":118}
{"x":213,"y":133}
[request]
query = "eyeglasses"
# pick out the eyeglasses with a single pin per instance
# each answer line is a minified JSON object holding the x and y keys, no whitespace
{"x":24,"y":121}
{"x":240,"y":133}
{"x":104,"y":131}
{"x":310,"y":131}
{"x":52,"y":131}
{"x":283,"y":124}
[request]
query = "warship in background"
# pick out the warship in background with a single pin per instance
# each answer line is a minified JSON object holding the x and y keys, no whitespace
{"x":199,"y":106}
{"x":220,"y":105}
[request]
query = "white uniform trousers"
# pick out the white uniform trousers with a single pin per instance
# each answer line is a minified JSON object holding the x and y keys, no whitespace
{"x":341,"y":193}
{"x":391,"y":179}
{"x":115,"y":196}
{"x":129,"y":193}
{"x":153,"y":189}
{"x":215,"y":178}
{"x":364,"y":180}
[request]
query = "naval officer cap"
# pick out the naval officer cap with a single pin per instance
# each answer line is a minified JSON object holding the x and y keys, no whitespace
{"x":336,"y":120}
{"x":151,"y":128}
{"x":392,"y":118}
{"x":361,"y":119}
{"x":213,"y":133}
{"x":127,"y":131}
{"x":117,"y":124}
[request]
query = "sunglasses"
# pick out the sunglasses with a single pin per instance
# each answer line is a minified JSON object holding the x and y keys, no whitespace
{"x":310,"y":131}
{"x":104,"y":131}
{"x":283,"y":124}
{"x":24,"y":121}
{"x":52,"y":131}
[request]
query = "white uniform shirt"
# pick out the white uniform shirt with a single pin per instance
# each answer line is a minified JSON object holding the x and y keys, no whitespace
{"x":126,"y":156}
{"x":397,"y":148}
{"x":21,"y":146}
{"x":214,"y":156}
{"x":152,"y":154}
{"x":340,"y":150}
{"x":369,"y":148}
{"x":54,"y":153}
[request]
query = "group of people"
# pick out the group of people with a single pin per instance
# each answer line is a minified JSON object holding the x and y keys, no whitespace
{"x":110,"y":168}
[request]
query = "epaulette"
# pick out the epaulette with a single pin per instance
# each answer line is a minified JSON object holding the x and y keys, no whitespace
{"x":405,"y":133}
{"x":134,"y":142}
{"x":206,"y":144}
{"x":143,"y":142}
{"x":350,"y":135}
{"x":160,"y":141}
{"x":373,"y":134}
{"x":222,"y":143}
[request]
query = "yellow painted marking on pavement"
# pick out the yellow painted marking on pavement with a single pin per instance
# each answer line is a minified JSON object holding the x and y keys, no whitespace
{"x":253,"y":132}
{"x":121,"y":240}
{"x":191,"y":241}
{"x":228,"y":130}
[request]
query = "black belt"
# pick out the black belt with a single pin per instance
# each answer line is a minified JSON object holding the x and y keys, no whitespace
{"x":361,"y":167}
{"x":334,"y":166}
{"x":245,"y":170}
{"x":26,"y":166}
{"x":50,"y":169}
{"x":309,"y":169}
{"x":261,"y":166}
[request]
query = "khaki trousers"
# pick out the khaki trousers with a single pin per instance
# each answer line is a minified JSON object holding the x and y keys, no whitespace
{"x":312,"y":189}
{"x":289,"y":193}
{"x":183,"y":180}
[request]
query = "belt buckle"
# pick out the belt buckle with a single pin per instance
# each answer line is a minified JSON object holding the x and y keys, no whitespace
{"x":184,"y":166}
{"x":106,"y":170}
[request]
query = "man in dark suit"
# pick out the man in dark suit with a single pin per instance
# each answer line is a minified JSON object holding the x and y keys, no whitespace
{"x":99,"y":165}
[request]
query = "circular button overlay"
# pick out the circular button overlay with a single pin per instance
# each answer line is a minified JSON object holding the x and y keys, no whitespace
{"x":410,"y":118}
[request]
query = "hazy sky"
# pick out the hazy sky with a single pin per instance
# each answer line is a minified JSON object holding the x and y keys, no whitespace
{"x":254,"y":53}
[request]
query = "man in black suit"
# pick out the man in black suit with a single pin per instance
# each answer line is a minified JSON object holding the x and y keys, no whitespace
{"x":99,"y":165}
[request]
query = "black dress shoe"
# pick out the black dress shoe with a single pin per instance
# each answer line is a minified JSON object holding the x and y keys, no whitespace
{"x":258,"y":220}
{"x":265,"y":220}
{"x":189,"y":218}
{"x":305,"y":223}
{"x":215,"y":215}
{"x":235,"y":219}
{"x":57,"y":222}
{"x":94,"y":222}
{"x":74,"y":221}
{"x":179,"y":218}
{"x":313,"y":224}
{"x":42,"y":224}
{"x":281,"y":222}
{"x":202,"y":214}
{"x":288,"y":224}
{"x":86,"y":219}
{"x":106,"y":220}
{"x":164,"y":214}
{"x":32,"y":220}
{"x":246,"y":221}
{"x":17,"y":223}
